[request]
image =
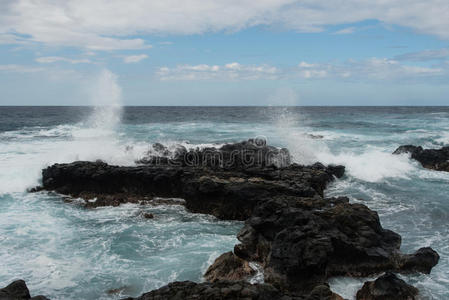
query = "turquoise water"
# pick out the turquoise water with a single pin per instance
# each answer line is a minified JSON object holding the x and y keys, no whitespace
{"x":67,"y":252}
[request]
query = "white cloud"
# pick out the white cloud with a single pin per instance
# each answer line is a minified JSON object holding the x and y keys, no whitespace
{"x":113,"y":24}
{"x":347,"y":30}
{"x":53,"y":59}
{"x":369,"y":69}
{"x":304,"y":64}
{"x":134,"y":58}
{"x":426,"y":55}
{"x":231,"y":71}
{"x":373,"y":69}
{"x":233,"y":66}
{"x":20,"y":68}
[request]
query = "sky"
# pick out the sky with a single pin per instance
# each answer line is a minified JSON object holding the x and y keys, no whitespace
{"x":217,"y":52}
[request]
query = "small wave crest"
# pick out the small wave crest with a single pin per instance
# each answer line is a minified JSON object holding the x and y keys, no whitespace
{"x":372,"y":165}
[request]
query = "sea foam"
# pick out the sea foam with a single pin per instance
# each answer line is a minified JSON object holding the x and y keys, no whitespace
{"x":27,"y":151}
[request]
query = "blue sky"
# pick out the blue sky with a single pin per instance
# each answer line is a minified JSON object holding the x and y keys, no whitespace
{"x":226,"y":52}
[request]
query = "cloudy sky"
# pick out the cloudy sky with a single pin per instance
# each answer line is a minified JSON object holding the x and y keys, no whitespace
{"x":227,"y":52}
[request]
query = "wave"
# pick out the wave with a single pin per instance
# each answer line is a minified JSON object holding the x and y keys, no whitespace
{"x":372,"y":165}
{"x":26,"y":153}
{"x":111,"y":246}
{"x":21,"y":162}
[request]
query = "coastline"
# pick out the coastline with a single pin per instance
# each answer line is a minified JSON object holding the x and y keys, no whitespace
{"x":285,"y":197}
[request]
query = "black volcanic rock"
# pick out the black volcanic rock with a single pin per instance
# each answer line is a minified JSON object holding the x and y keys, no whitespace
{"x":230,"y":290}
{"x":227,"y":193}
{"x":18,"y":290}
{"x":301,"y":244}
{"x":221,"y":290}
{"x":247,"y":154}
{"x":228,"y":266}
{"x":387,"y":287}
{"x":422,"y":261}
{"x":299,"y":237}
{"x":435,"y":159}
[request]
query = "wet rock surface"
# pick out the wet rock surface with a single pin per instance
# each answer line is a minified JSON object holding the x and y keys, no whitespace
{"x":247,"y":154}
{"x":228,"y":266}
{"x":18,"y":290}
{"x":297,"y":236}
{"x":435,"y":159}
{"x":227,"y":193}
{"x":230,"y":290}
{"x":299,"y":245}
{"x":387,"y":287}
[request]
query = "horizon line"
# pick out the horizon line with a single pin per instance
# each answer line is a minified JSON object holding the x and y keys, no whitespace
{"x":267,"y":106}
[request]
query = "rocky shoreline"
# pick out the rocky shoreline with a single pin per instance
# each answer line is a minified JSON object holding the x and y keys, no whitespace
{"x":434,"y":159}
{"x":297,"y":236}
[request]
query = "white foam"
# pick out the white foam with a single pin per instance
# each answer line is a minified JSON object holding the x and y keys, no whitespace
{"x":24,"y":156}
{"x":373,"y":165}
{"x":258,"y":277}
{"x":347,"y":287}
{"x":106,"y":96}
{"x":444,"y":138}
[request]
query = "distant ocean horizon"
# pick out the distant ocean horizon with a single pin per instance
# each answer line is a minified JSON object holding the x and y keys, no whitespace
{"x":130,"y":105}
{"x":66,"y":252}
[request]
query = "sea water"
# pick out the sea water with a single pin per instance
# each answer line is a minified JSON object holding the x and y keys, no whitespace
{"x":67,"y":252}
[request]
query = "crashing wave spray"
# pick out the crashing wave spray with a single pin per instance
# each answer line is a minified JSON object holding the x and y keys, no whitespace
{"x":302,"y":148}
{"x":95,"y":139}
{"x":106,"y":97}
{"x":289,"y":129}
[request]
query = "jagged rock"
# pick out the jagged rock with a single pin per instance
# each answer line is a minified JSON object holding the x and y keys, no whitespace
{"x":161,"y":149}
{"x":387,"y":287}
{"x":435,"y":159}
{"x":93,"y":200}
{"x":148,"y":216}
{"x":35,"y":189}
{"x":221,"y":290}
{"x":117,"y":290}
{"x":299,"y":245}
{"x":422,"y":261}
{"x":163,"y":155}
{"x":18,"y":290}
{"x":228,"y":267}
{"x":322,"y":291}
{"x":298,"y":237}
{"x":230,"y":290}
{"x":227,"y":193}
{"x":15,"y":290}
{"x":246,"y":154}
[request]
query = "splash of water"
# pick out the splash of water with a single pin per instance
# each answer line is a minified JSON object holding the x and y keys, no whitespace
{"x":289,"y":129}
{"x":95,"y":139}
{"x":370,"y":165}
{"x":106,"y":97}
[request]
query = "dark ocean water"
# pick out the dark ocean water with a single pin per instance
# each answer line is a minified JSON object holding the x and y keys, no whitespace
{"x":66,"y":252}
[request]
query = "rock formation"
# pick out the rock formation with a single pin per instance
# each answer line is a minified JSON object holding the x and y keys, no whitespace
{"x":18,"y":290}
{"x":300,"y":242}
{"x":230,"y":290}
{"x":228,"y":266}
{"x":387,"y":287}
{"x":435,"y":159}
{"x":297,"y":236}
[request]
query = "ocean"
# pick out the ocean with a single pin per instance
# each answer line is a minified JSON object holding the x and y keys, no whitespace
{"x":67,"y":252}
